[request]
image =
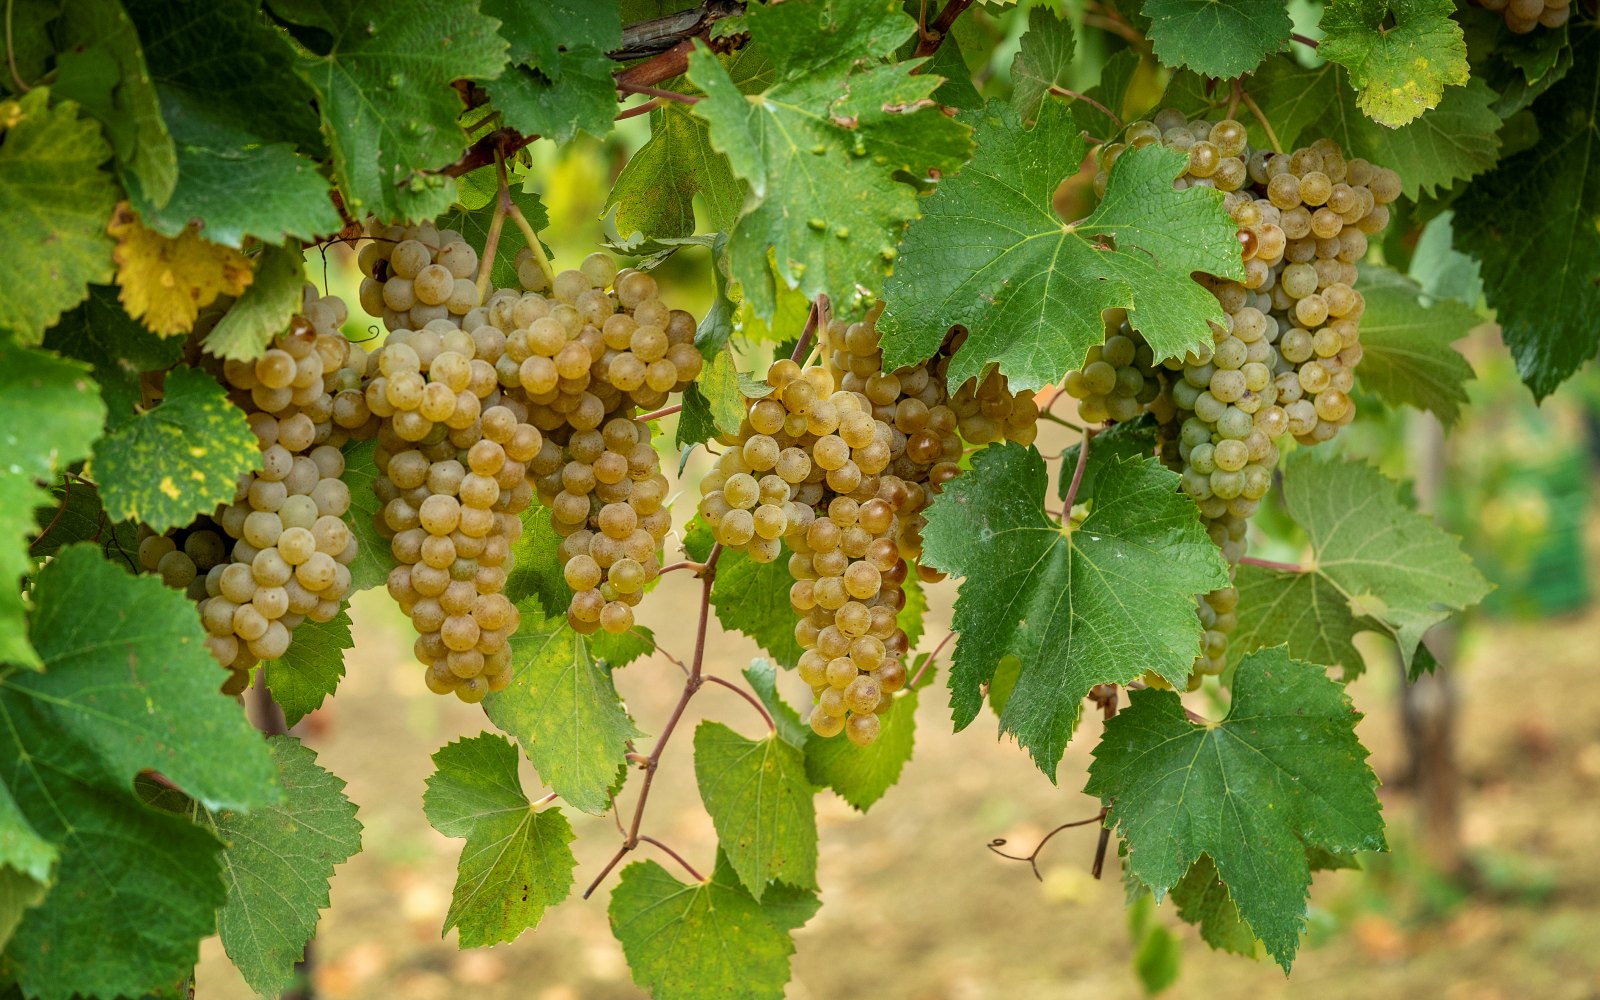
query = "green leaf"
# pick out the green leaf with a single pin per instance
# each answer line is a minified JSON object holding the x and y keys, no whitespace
{"x":54,"y":199}
{"x":1119,"y":442}
{"x":1530,"y":222}
{"x":102,"y":67}
{"x":1156,"y":963}
{"x":118,"y":346}
{"x":1392,"y":568}
{"x":750,"y":597}
{"x":382,"y":81}
{"x":181,"y":43}
{"x":719,"y":384}
{"x":763,"y":678}
{"x":990,"y":254}
{"x":654,"y":194}
{"x":582,"y":95}
{"x":18,"y":892}
{"x":1401,"y":54}
{"x":1303,"y":611}
{"x":1407,"y":358}
{"x":1099,"y":603}
{"x":49,"y":418}
{"x":909,"y":620}
{"x":563,"y":708}
{"x":278,"y":864}
{"x":236,"y":188}
{"x":1284,"y":770}
{"x":563,"y":24}
{"x":760,"y":802}
{"x":1293,"y":97}
{"x":181,"y":458}
{"x":704,"y":939}
{"x":21,"y":847}
{"x":516,"y":862}
{"x":823,"y":147}
{"x":374,"y":558}
{"x":1043,"y":60}
{"x":312,"y":667}
{"x":1203,"y":900}
{"x":127,"y":676}
{"x":861,"y":775}
{"x":1443,"y":271}
{"x":1218,"y":38}
{"x":264,"y":310}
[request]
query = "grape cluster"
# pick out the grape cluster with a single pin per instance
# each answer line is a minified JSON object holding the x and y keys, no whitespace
{"x":290,"y":547}
{"x":600,"y":347}
{"x":416,"y":275}
{"x":1282,"y":363}
{"x":838,"y":462}
{"x":1522,"y":16}
{"x":452,"y":456}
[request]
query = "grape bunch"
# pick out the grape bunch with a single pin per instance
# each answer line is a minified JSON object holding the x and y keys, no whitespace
{"x":1282,"y":363}
{"x":601,"y":347}
{"x":416,"y":275}
{"x":287,"y":550}
{"x":1522,"y":16}
{"x":838,"y":462}
{"x":452,"y":453}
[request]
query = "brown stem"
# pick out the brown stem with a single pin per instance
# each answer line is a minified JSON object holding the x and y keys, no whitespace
{"x":813,"y":321}
{"x":1077,"y":474}
{"x":502,"y":141}
{"x":643,"y":109}
{"x":935,"y":34}
{"x":1282,"y":567}
{"x":691,"y":685}
{"x":665,"y":95}
{"x":1235,"y":90}
{"x":747,"y":696}
{"x":1032,"y":857}
{"x":1310,"y":43}
{"x":1266,"y":126}
{"x":491,"y":242}
{"x":665,"y":411}
{"x":685,"y":564}
{"x":912,"y":683}
{"x":1075,"y":96}
{"x":674,"y":855}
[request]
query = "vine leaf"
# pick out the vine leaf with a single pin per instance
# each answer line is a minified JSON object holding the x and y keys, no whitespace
{"x":763,"y":678}
{"x":102,"y":67}
{"x":49,"y":419}
{"x":55,"y":200}
{"x":166,"y":281}
{"x":312,"y":667}
{"x":264,"y":310}
{"x":1375,"y":564}
{"x":1203,"y":900}
{"x":1401,"y":54}
{"x":654,"y":195}
{"x":516,"y":862}
{"x":560,"y":80}
{"x":127,"y":687}
{"x":822,"y":147}
{"x":1043,"y":59}
{"x":374,"y":558}
{"x":564,"y":709}
{"x":1100,"y":603}
{"x":690,"y":941}
{"x":991,"y":255}
{"x":1407,"y":358}
{"x":760,"y":802}
{"x":181,"y":458}
{"x":1282,"y":772}
{"x":383,"y":86}
{"x":1127,"y":439}
{"x":100,"y":332}
{"x":277,"y":863}
{"x":1530,"y":222}
{"x":750,"y":597}
{"x":1217,"y":38}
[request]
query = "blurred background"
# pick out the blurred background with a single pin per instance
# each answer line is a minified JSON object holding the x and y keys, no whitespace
{"x":1491,"y":771}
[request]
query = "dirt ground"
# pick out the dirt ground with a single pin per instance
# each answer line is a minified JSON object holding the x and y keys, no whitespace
{"x":914,"y":906}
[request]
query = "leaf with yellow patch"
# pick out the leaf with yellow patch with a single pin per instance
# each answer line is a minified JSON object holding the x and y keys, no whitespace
{"x":166,"y":281}
{"x":179,"y":459}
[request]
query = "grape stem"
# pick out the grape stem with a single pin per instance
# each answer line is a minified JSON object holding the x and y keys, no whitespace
{"x":912,"y":683}
{"x":643,"y":109}
{"x":1281,"y":567}
{"x":813,"y":320}
{"x":685,"y":564}
{"x":665,"y":411}
{"x":1104,"y":695}
{"x":1077,"y":473}
{"x":534,"y":245}
{"x":543,"y":800}
{"x":1266,"y":126}
{"x":665,"y":95}
{"x":491,"y":241}
{"x":1032,"y":857}
{"x":11,"y":52}
{"x":674,"y":855}
{"x":1310,"y":43}
{"x":1047,"y":415}
{"x":772,"y":727}
{"x":652,"y":763}
{"x":934,"y":34}
{"x":1073,"y":95}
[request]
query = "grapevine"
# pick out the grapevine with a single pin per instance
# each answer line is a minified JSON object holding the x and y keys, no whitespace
{"x":965,"y":345}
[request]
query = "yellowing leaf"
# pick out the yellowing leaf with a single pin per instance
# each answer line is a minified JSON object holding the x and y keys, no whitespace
{"x":167,"y":281}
